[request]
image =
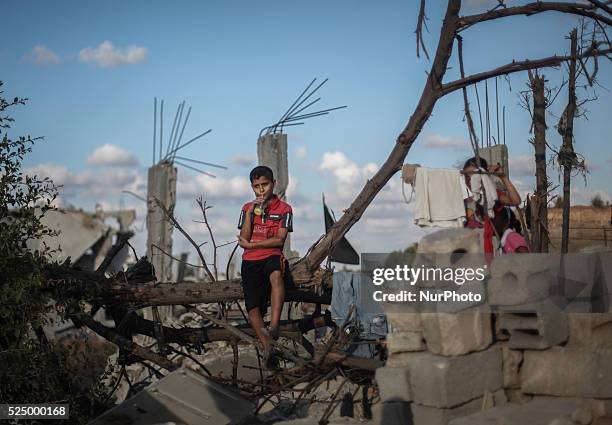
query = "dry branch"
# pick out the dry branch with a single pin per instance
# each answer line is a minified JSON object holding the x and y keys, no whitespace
{"x":517,"y":66}
{"x":580,"y":9}
{"x":170,"y":216}
{"x":124,"y":343}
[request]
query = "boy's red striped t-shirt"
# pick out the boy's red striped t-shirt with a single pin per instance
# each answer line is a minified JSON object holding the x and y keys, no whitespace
{"x":277,"y":214}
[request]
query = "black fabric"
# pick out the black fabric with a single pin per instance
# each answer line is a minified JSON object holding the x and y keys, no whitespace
{"x":256,"y":282}
{"x":343,"y":252}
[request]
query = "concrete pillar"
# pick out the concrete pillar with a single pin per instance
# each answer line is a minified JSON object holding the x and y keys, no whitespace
{"x":272,"y":152}
{"x":161,"y":184}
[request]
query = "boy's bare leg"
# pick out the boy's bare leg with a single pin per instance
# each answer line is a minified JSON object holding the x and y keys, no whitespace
{"x":258,"y":326}
{"x":277,"y":297}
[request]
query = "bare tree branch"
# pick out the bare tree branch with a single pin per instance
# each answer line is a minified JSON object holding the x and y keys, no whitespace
{"x":177,"y":225}
{"x":303,"y":270}
{"x":421,"y":21}
{"x":517,"y":66}
{"x":603,"y":6}
{"x":203,"y":208}
{"x":466,"y":106}
{"x":124,"y":343}
{"x":580,"y":9}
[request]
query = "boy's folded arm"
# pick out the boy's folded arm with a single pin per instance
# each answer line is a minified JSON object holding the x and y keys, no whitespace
{"x":277,"y":241}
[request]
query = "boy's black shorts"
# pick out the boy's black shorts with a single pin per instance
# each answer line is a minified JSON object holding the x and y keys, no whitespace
{"x":256,"y":281}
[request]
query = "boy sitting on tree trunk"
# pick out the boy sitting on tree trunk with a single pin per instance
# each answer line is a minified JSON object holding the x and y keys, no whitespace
{"x":264,"y":224}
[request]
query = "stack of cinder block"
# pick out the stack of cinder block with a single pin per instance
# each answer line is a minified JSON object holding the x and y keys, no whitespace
{"x":535,"y":355}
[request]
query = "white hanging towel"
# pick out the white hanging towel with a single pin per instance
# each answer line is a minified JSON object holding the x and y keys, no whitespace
{"x":439,"y":197}
{"x":477,"y":183}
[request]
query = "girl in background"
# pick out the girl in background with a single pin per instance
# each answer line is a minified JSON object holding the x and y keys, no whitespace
{"x":508,"y":227}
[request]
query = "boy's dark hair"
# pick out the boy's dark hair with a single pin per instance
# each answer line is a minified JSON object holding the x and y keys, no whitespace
{"x":261,"y":171}
{"x":506,"y":217}
{"x":472,"y":161}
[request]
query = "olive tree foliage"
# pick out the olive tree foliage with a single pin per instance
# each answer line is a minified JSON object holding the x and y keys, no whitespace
{"x":32,"y":368}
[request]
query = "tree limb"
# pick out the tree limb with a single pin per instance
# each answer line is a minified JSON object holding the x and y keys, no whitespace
{"x":307,"y":266}
{"x":124,"y":343}
{"x":421,"y":21}
{"x":514,"y":66}
{"x":177,"y":225}
{"x":580,"y":9}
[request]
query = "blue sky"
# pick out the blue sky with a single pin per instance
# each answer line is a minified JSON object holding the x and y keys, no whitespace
{"x":92,"y":79}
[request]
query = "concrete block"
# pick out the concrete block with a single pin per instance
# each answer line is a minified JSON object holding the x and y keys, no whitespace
{"x":453,"y":334}
{"x":393,"y":383}
{"x":448,"y":241}
{"x":590,"y":329}
{"x":516,"y":280}
{"x":440,"y":381}
{"x":406,"y":341}
{"x":403,"y":321}
{"x":534,"y":326}
{"x":425,"y":415}
{"x":511,"y":361}
{"x":541,"y":412}
{"x":578,"y":280}
{"x":392,"y":413}
{"x":568,"y":372}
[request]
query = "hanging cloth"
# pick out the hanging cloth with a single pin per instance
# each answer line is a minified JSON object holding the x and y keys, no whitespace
{"x":439,"y":197}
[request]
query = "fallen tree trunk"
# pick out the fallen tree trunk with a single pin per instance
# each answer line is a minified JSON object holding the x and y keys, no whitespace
{"x":101,"y":290}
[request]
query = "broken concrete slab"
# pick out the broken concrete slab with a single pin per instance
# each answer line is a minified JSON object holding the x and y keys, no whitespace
{"x":568,"y":372}
{"x":533,"y":326}
{"x":511,"y":360}
{"x":516,"y":280}
{"x":182,"y":396}
{"x":540,"y":412}
{"x":439,"y":381}
{"x":448,"y":241}
{"x":394,"y":383}
{"x":453,"y":334}
{"x":404,"y":341}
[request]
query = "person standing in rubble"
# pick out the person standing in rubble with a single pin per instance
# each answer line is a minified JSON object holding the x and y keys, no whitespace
{"x":264,"y":224}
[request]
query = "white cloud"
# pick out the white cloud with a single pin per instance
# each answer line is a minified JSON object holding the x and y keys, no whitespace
{"x":301,"y":152}
{"x":111,"y":155}
{"x":437,"y":141}
{"x":345,"y":170}
{"x":107,"y":55}
{"x":522,"y":165}
{"x":42,"y":55}
{"x":89,"y":183}
{"x":243,"y":160}
{"x":220,"y":189}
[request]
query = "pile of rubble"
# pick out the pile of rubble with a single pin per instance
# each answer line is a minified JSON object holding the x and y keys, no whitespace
{"x":530,"y":359}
